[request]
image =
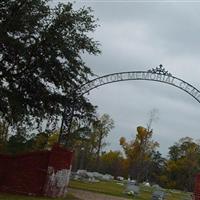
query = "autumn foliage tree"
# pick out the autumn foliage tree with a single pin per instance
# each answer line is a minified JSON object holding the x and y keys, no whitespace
{"x":88,"y":141}
{"x":112,"y":163}
{"x":183,"y":164}
{"x":139,"y":153}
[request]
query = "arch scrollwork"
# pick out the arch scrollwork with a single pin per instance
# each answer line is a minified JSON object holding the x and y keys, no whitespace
{"x":158,"y":74}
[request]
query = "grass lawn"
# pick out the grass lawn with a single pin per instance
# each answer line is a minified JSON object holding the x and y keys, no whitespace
{"x":113,"y":188}
{"x":20,"y":197}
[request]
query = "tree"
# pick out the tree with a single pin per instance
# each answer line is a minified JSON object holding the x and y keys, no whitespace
{"x":41,"y":63}
{"x":112,"y":163}
{"x":87,"y":140}
{"x":3,"y":135}
{"x":156,"y":168}
{"x":139,"y":153}
{"x":17,"y":143}
{"x":101,"y":128}
{"x":153,"y":117}
{"x":183,"y":164}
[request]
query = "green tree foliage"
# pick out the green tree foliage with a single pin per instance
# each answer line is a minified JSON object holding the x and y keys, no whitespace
{"x":21,"y":142}
{"x":101,"y":128}
{"x":139,"y":153}
{"x":88,"y":141}
{"x":3,"y":135}
{"x":41,"y":61}
{"x":112,"y":163}
{"x":17,"y":143}
{"x":156,"y":168}
{"x":183,"y":164}
{"x":40,"y":141}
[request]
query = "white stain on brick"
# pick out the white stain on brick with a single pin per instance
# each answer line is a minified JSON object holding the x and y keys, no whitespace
{"x":57,"y":182}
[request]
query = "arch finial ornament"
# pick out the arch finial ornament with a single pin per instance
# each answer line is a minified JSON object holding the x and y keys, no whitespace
{"x":160,"y":70}
{"x":159,"y":74}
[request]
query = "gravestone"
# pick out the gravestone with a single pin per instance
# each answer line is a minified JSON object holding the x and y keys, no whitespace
{"x":132,"y":188}
{"x":158,"y":195}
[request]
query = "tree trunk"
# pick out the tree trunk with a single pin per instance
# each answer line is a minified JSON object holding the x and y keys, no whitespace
{"x":98,"y":150}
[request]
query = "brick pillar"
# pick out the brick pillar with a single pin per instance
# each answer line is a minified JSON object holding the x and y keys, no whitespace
{"x":59,"y":169}
{"x":197,"y":187}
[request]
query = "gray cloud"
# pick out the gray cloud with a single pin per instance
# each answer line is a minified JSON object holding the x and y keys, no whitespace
{"x":140,"y":36}
{"x":129,"y":104}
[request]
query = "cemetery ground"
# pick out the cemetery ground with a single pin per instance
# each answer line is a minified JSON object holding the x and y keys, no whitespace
{"x":21,"y":197}
{"x":116,"y":188}
{"x":80,"y":190}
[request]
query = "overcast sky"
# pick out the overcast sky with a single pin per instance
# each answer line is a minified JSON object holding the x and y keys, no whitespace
{"x":140,"y":35}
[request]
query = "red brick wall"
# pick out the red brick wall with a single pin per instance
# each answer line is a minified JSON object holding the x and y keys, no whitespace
{"x":27,"y":173}
{"x":60,"y":158}
{"x":59,"y":169}
{"x":197,"y":188}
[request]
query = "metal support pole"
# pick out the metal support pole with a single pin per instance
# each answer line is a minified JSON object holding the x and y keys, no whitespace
{"x":69,"y":120}
{"x":61,"y":127}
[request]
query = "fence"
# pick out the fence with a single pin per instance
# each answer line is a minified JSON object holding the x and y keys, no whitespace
{"x":196,"y":195}
{"x":42,"y":173}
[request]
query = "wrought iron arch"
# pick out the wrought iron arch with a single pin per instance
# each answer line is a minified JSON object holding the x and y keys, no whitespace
{"x":158,"y":74}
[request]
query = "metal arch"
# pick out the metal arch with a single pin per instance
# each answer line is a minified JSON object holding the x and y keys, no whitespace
{"x":160,"y":75}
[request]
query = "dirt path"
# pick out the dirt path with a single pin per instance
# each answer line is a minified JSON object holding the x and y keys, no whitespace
{"x":87,"y":195}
